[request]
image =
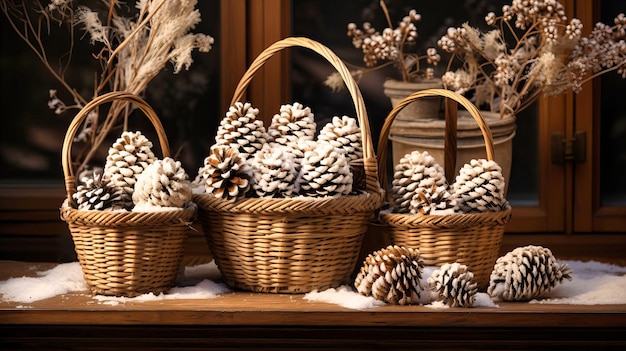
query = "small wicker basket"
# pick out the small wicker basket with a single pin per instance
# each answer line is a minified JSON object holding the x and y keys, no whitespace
{"x":470,"y":239}
{"x":292,"y":245}
{"x":124,"y":253}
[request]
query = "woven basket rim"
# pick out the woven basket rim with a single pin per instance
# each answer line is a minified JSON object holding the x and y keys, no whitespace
{"x":457,"y":220}
{"x":169,"y":215}
{"x":364,"y":202}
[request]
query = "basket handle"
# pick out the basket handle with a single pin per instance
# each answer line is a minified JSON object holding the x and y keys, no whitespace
{"x":369,"y":157}
{"x":66,"y":157}
{"x":450,"y":137}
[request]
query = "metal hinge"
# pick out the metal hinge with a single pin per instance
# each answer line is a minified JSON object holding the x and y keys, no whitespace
{"x":569,"y":149}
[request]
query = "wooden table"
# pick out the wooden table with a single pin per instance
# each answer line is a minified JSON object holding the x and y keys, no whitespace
{"x":245,"y":321}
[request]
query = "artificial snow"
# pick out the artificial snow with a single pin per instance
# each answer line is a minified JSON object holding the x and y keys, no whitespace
{"x":593,"y":283}
{"x":344,"y":296}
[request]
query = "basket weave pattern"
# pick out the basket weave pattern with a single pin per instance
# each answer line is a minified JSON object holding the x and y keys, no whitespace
{"x":471,"y":239}
{"x":292,"y":245}
{"x":124,"y":253}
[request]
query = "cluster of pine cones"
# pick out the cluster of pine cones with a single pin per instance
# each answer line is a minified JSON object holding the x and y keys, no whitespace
{"x":283,"y":160}
{"x":394,"y":275}
{"x":419,"y":186}
{"x":133,"y":178}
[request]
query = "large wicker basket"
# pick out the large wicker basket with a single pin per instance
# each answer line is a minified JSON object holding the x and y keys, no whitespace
{"x":292,"y":245}
{"x":124,"y":253}
{"x":470,"y":239}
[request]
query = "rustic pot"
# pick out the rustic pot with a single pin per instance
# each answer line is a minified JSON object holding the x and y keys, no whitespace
{"x":424,"y":108}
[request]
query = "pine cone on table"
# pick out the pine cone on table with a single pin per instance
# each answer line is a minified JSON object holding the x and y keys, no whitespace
{"x":417,"y":173}
{"x":324,"y":172}
{"x":241,"y":129}
{"x":526,"y":273}
{"x":392,"y":275}
{"x":164,"y":183}
{"x":226,"y":175}
{"x":479,"y":187}
{"x":454,"y":285}
{"x":127,"y":158}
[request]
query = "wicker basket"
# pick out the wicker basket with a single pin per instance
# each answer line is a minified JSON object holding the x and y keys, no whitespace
{"x":125,"y":253}
{"x":470,"y":239}
{"x":292,"y":245}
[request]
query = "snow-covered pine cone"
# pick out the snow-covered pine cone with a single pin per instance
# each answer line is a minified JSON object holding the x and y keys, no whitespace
{"x":226,"y":175}
{"x":127,"y":158}
{"x":344,"y":133}
{"x":293,"y":123}
{"x":453,"y":284}
{"x":392,"y":275}
{"x":417,"y":172}
{"x":274,"y":172}
{"x":324,"y":172}
{"x":241,"y":129}
{"x":526,"y":273}
{"x":434,"y":201}
{"x":164,"y":183}
{"x":94,"y":193}
{"x":479,"y":187}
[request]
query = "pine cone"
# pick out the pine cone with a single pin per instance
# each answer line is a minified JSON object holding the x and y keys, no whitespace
{"x":479,"y":187}
{"x":240,"y":129}
{"x":274,"y":172}
{"x":344,"y":133}
{"x":416,"y":173}
{"x":292,"y":124}
{"x":526,"y":273}
{"x":392,"y":275}
{"x":127,"y":158}
{"x":95,"y":193}
{"x":434,"y":201}
{"x":454,"y":285}
{"x":325,"y":172}
{"x":164,"y":183}
{"x":225,"y":173}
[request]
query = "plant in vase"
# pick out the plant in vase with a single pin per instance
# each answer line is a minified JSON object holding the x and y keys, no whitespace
{"x":533,"y":50}
{"x":132,"y":45}
{"x":395,"y":46}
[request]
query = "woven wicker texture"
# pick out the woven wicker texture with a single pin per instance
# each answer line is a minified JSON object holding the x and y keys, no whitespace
{"x":124,"y":253}
{"x":470,"y":239}
{"x":292,"y":245}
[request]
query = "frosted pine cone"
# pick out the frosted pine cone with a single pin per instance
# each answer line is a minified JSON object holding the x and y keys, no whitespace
{"x":274,"y":172}
{"x":526,"y":273}
{"x":241,"y":129}
{"x":127,"y":158}
{"x":344,"y":133}
{"x":226,"y":174}
{"x":164,"y":183}
{"x":325,"y":172}
{"x":392,"y":275}
{"x":454,"y":285}
{"x":417,"y":172}
{"x":293,"y":123}
{"x":479,"y":187}
{"x":94,"y":193}
{"x":434,"y":201}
